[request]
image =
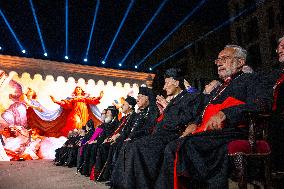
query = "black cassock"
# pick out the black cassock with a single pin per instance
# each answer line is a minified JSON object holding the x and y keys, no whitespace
{"x":105,"y":151}
{"x":90,"y":150}
{"x":139,"y":161}
{"x":203,"y":157}
{"x":275,"y":81}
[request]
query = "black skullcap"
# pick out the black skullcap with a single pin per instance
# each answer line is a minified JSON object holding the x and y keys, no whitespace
{"x":131,"y":101}
{"x":147,"y":92}
{"x":114,"y":111}
{"x":176,"y":74}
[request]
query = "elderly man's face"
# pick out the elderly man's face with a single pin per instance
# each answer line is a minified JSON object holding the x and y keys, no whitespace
{"x":142,"y":101}
{"x":171,"y":86}
{"x":280,"y":51}
{"x":228,"y":64}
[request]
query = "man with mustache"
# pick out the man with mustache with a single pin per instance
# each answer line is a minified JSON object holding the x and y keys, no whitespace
{"x":200,"y":155}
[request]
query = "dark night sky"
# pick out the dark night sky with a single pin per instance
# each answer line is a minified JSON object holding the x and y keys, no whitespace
{"x":51,"y":18}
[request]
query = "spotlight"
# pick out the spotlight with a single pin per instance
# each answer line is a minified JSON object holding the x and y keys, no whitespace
{"x":66,"y":57}
{"x":150,"y":69}
{"x":136,"y":67}
{"x":23,"y":51}
{"x":45,"y":54}
{"x":85,"y":59}
{"x":120,"y":64}
{"x":103,"y":62}
{"x":0,"y":48}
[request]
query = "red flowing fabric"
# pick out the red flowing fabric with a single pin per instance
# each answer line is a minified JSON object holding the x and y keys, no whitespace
{"x":47,"y":128}
{"x":276,"y":92}
{"x":211,"y":110}
{"x":54,"y":128}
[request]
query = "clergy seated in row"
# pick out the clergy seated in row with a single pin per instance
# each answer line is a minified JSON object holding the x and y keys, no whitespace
{"x":89,"y":147}
{"x":140,"y":126}
{"x":106,"y":150}
{"x":200,"y":154}
{"x":67,"y":154}
{"x":139,"y":161}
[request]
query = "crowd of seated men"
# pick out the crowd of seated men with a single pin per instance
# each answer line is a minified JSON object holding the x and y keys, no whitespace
{"x":178,"y":140}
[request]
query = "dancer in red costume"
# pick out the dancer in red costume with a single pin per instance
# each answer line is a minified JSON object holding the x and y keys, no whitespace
{"x":80,"y":111}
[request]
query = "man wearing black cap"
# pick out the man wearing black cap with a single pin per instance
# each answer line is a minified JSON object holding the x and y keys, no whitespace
{"x":144,"y":157}
{"x":106,"y":150}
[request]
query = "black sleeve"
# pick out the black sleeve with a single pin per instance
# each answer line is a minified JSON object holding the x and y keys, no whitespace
{"x":257,"y":100}
{"x":145,"y":127}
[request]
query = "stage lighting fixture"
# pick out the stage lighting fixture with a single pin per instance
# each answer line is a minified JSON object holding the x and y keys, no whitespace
{"x":136,"y":67}
{"x":144,"y":30}
{"x":38,"y":28}
{"x":93,"y":26}
{"x":0,"y":48}
{"x":120,"y":65}
{"x":23,"y":51}
{"x":85,"y":59}
{"x":103,"y":62}
{"x":66,"y":28}
{"x":119,"y":28}
{"x":11,"y":30}
{"x":225,"y":23}
{"x":150,"y":69}
{"x":173,"y":30}
{"x":66,"y":57}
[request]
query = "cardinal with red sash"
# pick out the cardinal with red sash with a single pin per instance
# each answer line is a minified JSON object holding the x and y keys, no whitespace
{"x":199,"y":156}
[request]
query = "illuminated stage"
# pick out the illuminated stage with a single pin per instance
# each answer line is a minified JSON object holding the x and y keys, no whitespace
{"x":59,"y":79}
{"x":26,"y":104}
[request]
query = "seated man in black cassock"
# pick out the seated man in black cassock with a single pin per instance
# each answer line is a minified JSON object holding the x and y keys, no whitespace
{"x":106,"y":150}
{"x":141,"y":126}
{"x":140,"y":166}
{"x":90,"y":150}
{"x":200,"y":155}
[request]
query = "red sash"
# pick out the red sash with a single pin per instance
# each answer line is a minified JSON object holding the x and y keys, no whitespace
{"x":210,"y":110}
{"x":213,"y":109}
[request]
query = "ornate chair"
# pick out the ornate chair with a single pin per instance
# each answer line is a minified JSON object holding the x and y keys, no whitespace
{"x":252,"y":148}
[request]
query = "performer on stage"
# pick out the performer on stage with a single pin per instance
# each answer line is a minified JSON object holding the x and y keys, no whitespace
{"x":80,"y":112}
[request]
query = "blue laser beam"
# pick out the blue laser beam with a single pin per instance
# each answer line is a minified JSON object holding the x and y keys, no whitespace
{"x":175,"y":28}
{"x":119,"y":28}
{"x":12,"y":31}
{"x":144,"y":30}
{"x":38,"y":28}
{"x":92,"y":30}
{"x":66,"y":29}
{"x":225,"y":23}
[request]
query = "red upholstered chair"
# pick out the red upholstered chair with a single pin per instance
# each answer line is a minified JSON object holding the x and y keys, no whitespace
{"x":241,"y":150}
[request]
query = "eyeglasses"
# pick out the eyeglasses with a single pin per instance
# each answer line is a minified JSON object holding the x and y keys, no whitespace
{"x":224,"y":59}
